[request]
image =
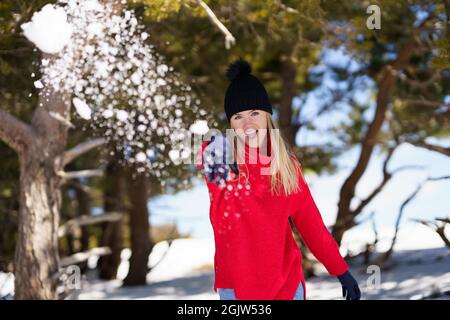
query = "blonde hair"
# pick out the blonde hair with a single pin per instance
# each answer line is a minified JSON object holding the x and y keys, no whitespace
{"x":284,"y":166}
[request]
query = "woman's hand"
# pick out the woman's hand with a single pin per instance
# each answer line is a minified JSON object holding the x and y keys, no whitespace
{"x":350,"y":289}
{"x":218,"y":159}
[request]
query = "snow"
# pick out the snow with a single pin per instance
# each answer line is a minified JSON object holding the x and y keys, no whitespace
{"x":6,"y":284}
{"x":82,"y":108}
{"x":186,"y":272}
{"x":122,"y":115}
{"x":411,"y":236}
{"x":174,"y":155}
{"x":38,"y":84}
{"x":141,"y":157}
{"x":48,"y":29}
{"x":412,"y":274}
{"x":107,"y":113}
{"x":199,"y":127}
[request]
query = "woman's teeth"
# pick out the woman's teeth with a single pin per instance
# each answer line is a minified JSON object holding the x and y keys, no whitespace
{"x":250,"y":133}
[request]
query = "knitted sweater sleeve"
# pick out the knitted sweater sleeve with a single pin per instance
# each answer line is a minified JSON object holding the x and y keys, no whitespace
{"x":309,"y":223}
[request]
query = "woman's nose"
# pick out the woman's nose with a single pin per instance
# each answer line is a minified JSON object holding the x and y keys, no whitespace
{"x":248,"y":119}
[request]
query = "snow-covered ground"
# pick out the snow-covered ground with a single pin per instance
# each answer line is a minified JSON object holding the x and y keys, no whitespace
{"x":185,"y":271}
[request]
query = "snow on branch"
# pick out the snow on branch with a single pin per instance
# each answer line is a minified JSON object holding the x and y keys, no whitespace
{"x":81,"y":149}
{"x":81,"y":174}
{"x":229,"y":38}
{"x":70,"y":225}
{"x":84,"y":256}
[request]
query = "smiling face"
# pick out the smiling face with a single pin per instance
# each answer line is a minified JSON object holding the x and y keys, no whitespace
{"x":246,"y":125}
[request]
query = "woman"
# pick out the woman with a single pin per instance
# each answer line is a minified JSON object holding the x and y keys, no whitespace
{"x":255,"y":184}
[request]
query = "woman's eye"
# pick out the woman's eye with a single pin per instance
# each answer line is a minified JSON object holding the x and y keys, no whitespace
{"x":255,"y":113}
{"x":237,"y":117}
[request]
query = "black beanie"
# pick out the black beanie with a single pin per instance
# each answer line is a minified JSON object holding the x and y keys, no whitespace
{"x":245,"y":91}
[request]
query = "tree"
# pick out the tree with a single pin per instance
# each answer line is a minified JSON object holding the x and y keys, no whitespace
{"x":402,"y":52}
{"x":140,"y":231}
{"x":41,"y":148}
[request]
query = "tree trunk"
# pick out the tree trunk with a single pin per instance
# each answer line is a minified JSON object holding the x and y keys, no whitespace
{"x":139,"y":228}
{"x":84,"y":209}
{"x":345,"y":216}
{"x":36,"y":258}
{"x":36,"y":264}
{"x":288,"y":92}
{"x":112,"y":237}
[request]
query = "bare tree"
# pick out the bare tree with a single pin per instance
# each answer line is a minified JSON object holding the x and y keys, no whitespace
{"x":385,"y":256}
{"x":438,"y":225}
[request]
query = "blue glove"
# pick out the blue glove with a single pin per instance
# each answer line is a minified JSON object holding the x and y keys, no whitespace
{"x":218,"y":159}
{"x":350,"y":289}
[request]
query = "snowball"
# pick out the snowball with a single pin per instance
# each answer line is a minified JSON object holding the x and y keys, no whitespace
{"x":48,"y":29}
{"x":136,"y":78}
{"x":102,"y":69}
{"x":107,"y":113}
{"x":162,"y":69}
{"x":174,"y":155}
{"x":199,"y":127}
{"x":150,"y":153}
{"x":122,"y":115}
{"x":141,"y":157}
{"x":92,"y":5}
{"x":82,"y":108}
{"x":95,"y":29}
{"x":38,"y":84}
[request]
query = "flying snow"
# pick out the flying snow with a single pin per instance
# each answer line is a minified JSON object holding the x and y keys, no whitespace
{"x":199,"y":127}
{"x":82,"y":108}
{"x":48,"y":29}
{"x":121,"y":86}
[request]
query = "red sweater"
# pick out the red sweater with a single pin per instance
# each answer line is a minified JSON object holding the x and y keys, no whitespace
{"x":255,"y":251}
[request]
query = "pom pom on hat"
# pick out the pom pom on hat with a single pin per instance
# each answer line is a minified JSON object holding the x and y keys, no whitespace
{"x":238,"y":69}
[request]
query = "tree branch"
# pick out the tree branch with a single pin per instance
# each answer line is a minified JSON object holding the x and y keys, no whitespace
{"x":386,"y":255}
{"x":81,"y":174}
{"x":81,"y":149}
{"x":418,"y":84}
{"x":70,"y":225}
{"x":229,"y":38}
{"x":440,"y":229}
{"x":428,"y":103}
{"x":15,"y":133}
{"x":84,"y":256}
{"x":431,"y":147}
{"x":387,"y":176}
